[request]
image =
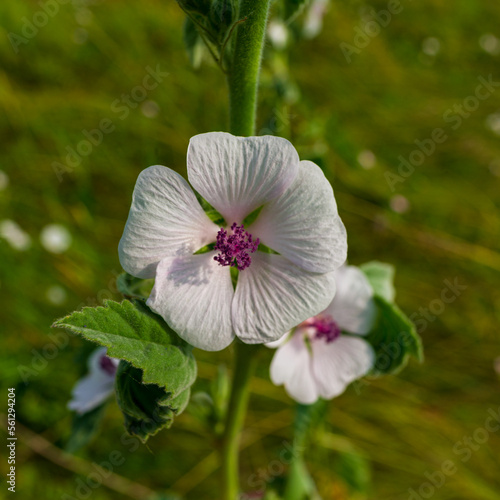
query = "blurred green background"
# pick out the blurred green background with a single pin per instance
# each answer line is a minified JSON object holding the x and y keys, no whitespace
{"x":355,"y":120}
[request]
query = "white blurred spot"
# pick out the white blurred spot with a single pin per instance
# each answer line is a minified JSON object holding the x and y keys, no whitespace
{"x":80,"y":36}
{"x":431,"y":46}
{"x":314,"y":18}
{"x":399,"y":204}
{"x":278,"y":34}
{"x":496,"y":365}
{"x":83,"y":16}
{"x":150,"y":109}
{"x":493,"y":123}
{"x":55,"y":238}
{"x":4,"y":180}
{"x":495,"y":167}
{"x":490,"y":43}
{"x":367,"y":159}
{"x":56,"y":295}
{"x":14,"y":235}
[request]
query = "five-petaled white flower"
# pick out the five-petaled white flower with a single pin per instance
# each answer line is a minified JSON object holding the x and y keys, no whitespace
{"x":325,"y":353}
{"x":193,"y":291}
{"x":93,"y":389}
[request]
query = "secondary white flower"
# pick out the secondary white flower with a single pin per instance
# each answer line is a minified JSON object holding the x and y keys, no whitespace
{"x":318,"y":359}
{"x":93,"y":389}
{"x":314,"y":18}
{"x":236,"y":175}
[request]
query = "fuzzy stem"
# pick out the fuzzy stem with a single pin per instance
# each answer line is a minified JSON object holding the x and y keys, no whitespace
{"x":243,"y":77}
{"x":244,"y":365}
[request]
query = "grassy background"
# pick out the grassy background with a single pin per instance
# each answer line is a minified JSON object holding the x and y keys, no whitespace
{"x":65,"y":79}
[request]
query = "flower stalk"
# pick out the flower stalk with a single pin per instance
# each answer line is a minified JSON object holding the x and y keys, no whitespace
{"x":245,"y":360}
{"x":243,"y":77}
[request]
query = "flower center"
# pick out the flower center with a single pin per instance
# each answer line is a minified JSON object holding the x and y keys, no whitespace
{"x":234,"y":248}
{"x":107,"y":365}
{"x":325,"y":328}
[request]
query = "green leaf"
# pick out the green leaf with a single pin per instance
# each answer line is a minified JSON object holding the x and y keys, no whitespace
{"x":222,"y":14}
{"x":84,"y":428}
{"x":307,"y":417}
{"x":193,"y":42}
{"x":394,"y":338}
{"x":199,"y":6}
{"x":132,"y":287}
{"x":132,"y":332}
{"x":293,"y":8}
{"x":147,"y":408}
{"x":381,"y":278}
{"x":251,"y":218}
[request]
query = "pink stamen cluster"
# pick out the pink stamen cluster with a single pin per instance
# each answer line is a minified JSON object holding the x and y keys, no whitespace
{"x":234,"y":248}
{"x":325,"y":327}
{"x":107,"y":365}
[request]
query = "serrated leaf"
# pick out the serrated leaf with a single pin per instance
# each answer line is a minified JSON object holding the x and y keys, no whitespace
{"x":381,"y":278}
{"x":147,"y":408}
{"x":133,"y":333}
{"x":394,"y":338}
{"x":84,"y":428}
{"x":293,"y":8}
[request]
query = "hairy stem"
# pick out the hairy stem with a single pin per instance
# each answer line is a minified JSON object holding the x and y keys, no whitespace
{"x":244,"y":365}
{"x":243,"y":77}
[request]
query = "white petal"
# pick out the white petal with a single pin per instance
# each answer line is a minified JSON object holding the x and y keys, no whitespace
{"x":165,"y":219}
{"x":338,"y":363}
{"x":237,"y":175}
{"x":273,"y":295}
{"x":353,"y":308}
{"x":194,"y":294}
{"x":303,"y":224}
{"x":91,"y":391}
{"x":277,"y":343}
{"x":291,"y":366}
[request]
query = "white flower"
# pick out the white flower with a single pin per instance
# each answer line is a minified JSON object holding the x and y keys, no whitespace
{"x":55,"y":238}
{"x":278,"y":34}
{"x":318,"y":359}
{"x":193,"y":291}
{"x":93,"y":389}
{"x":14,"y":235}
{"x":314,"y":19}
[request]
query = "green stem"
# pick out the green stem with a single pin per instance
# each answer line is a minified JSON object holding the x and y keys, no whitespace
{"x":244,"y":365}
{"x":299,"y":484}
{"x":243,"y":78}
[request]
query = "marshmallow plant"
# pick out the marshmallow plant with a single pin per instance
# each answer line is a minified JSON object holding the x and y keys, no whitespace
{"x":248,"y":250}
